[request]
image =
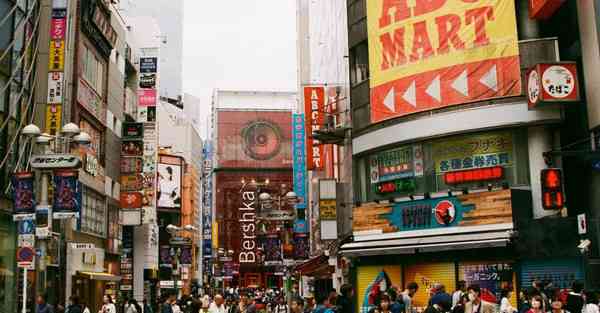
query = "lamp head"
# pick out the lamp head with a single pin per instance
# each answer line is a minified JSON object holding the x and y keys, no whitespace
{"x":31,"y":130}
{"x":70,"y":129}
{"x":83,"y":138}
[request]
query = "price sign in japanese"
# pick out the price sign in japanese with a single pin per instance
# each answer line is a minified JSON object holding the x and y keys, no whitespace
{"x":473,"y":151}
{"x":552,"y":82}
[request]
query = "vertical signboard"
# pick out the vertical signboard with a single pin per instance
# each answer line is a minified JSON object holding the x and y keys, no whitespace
{"x":56,"y":65}
{"x":425,"y":55}
{"x":67,"y":193}
{"x":299,"y":159}
{"x":314,"y":107}
{"x":23,"y":193}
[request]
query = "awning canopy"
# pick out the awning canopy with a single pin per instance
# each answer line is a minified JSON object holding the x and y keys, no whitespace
{"x":427,"y":244}
{"x":100,"y":276}
{"x":316,"y":266}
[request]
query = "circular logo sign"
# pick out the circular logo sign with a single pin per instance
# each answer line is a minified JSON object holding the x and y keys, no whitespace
{"x":25,"y":254}
{"x":261,"y":140}
{"x":533,"y":86}
{"x":558,"y":81}
{"x":445,"y":213}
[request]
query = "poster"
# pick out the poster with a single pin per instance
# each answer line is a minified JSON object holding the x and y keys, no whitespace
{"x":299,"y":157}
{"x":395,"y":164}
{"x":301,"y":246}
{"x":492,"y":278}
{"x":428,"y":274}
{"x":58,"y":27}
{"x":55,"y":87}
{"x":56,"y":59}
{"x":169,"y":185}
{"x":67,"y":192}
{"x":425,"y":55}
{"x":273,"y":251}
{"x":314,"y":106}
{"x":23,"y":193}
{"x":473,"y":151}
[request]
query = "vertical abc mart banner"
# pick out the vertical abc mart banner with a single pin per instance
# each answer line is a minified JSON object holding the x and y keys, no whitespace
{"x":298,"y":146}
{"x":314,"y":107}
{"x":428,"y":54}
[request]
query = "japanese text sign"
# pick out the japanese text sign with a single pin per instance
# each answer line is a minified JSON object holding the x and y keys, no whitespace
{"x":552,"y":82}
{"x":298,"y":149}
{"x":58,"y":28}
{"x":473,"y":151}
{"x":428,"y":54}
{"x":56,"y":60}
{"x":314,"y":106}
{"x":146,"y":97}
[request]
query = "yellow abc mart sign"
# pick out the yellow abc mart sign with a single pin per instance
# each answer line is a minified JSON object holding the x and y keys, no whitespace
{"x":427,"y":54}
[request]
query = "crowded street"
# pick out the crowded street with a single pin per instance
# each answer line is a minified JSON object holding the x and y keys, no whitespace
{"x":299,"y":156}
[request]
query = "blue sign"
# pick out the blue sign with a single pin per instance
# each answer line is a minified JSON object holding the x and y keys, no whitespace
{"x":299,"y":154}
{"x":300,"y":226}
{"x":207,"y":199}
{"x":427,"y":214}
{"x":26,"y":227}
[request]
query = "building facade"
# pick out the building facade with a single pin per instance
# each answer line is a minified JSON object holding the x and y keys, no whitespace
{"x":449,"y":146}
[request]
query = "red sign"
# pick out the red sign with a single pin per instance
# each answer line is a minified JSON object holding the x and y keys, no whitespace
{"x":25,"y":254}
{"x":146,"y":97}
{"x":474,"y":175}
{"x":543,"y":9}
{"x":552,"y":82}
{"x":130,"y":200}
{"x":58,"y":27}
{"x":314,"y":107}
{"x":254,"y":139}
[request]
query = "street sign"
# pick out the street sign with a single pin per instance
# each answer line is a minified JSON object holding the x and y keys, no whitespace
{"x":26,"y":227}
{"x":55,"y":161}
{"x":25,"y":256}
{"x":277,"y":215}
{"x":26,"y":241}
{"x":22,"y":217}
{"x":581,"y":224}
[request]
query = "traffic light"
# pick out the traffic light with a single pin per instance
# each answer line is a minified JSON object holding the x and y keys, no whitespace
{"x":552,"y":189}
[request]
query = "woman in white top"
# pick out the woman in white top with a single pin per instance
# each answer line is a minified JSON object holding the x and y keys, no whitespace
{"x":590,"y":305}
{"x":505,"y":305}
{"x":109,"y":306}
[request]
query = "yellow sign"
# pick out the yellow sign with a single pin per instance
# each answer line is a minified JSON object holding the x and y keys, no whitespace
{"x":426,"y":275}
{"x":435,"y":53}
{"x":53,"y":118}
{"x":327,"y":209}
{"x":368,"y":276}
{"x":56,"y":56}
{"x":473,"y":151}
{"x":215,"y":235}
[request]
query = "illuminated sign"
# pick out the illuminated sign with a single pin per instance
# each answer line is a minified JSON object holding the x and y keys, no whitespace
{"x":314,"y":106}
{"x":399,"y":185}
{"x":429,"y":54}
{"x":552,"y":82}
{"x":475,"y":175}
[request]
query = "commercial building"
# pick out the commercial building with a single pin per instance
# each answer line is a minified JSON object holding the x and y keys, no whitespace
{"x":252,"y":179}
{"x":450,"y":140}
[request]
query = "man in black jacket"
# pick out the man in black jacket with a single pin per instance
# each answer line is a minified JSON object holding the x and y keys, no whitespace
{"x":344,"y":301}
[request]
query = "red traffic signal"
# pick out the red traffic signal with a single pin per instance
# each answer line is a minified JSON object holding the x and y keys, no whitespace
{"x":552,"y":189}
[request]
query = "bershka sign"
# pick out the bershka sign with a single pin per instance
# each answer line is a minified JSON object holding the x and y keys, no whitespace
{"x":247,"y":219}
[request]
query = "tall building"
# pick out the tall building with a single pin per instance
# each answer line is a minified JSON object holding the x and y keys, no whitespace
{"x":169,"y":16}
{"x":19,"y":32}
{"x":458,"y":161}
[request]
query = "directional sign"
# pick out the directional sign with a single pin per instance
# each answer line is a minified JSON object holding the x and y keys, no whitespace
{"x":55,"y":161}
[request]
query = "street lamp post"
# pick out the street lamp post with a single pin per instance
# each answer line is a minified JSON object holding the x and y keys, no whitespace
{"x":69,"y":133}
{"x":173,"y":230}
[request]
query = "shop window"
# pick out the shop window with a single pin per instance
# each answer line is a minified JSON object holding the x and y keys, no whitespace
{"x":93,"y":213}
{"x":359,"y":63}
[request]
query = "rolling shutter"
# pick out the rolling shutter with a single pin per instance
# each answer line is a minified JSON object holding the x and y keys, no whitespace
{"x":366,"y":275}
{"x":426,"y":275}
{"x":562,"y":272}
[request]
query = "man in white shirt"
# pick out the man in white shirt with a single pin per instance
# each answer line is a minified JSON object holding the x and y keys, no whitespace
{"x":407,"y":296}
{"x":218,"y":305}
{"x":461,"y":288}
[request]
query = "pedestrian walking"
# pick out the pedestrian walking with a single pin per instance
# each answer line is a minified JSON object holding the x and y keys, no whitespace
{"x":462,"y":303}
{"x":42,"y":306}
{"x":323,"y":305}
{"x":147,"y":306}
{"x":74,"y":305}
{"x":384,"y":304}
{"x":108,"y":306}
{"x":461,"y":289}
{"x":218,"y":306}
{"x":297,"y":305}
{"x":505,"y":306}
{"x":557,"y":306}
{"x":167,"y":306}
{"x":407,"y":295}
{"x":475,"y":304}
{"x":591,"y":303}
{"x":575,"y":298}
{"x":280,"y":306}
{"x":344,"y":301}
{"x":537,"y":305}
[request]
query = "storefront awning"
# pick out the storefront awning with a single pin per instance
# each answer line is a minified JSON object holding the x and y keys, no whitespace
{"x":427,"y":244}
{"x":100,"y":276}
{"x":316,"y":266}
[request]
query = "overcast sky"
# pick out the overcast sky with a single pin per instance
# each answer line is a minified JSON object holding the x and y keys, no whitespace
{"x":238,"y":44}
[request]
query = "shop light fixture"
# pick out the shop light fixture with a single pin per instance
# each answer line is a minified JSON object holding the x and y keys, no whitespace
{"x":474,"y":175}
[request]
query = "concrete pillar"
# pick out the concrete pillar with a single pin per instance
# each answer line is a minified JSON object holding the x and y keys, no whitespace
{"x":540,"y":141}
{"x":139,"y":257}
{"x":528,"y":28}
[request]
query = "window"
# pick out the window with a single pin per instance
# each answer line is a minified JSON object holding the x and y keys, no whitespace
{"x":93,"y":213}
{"x":93,"y":70}
{"x":359,"y":63}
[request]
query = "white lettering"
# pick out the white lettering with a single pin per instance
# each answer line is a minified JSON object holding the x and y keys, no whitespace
{"x":247,"y":257}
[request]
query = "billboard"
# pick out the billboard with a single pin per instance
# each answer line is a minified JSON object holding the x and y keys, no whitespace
{"x":169,"y":184}
{"x":314,"y":106}
{"x":427,"y":54}
{"x":254,"y":139}
{"x":299,"y":143}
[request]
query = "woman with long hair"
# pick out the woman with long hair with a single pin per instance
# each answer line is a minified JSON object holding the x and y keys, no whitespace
{"x":505,"y":306}
{"x":537,"y":305}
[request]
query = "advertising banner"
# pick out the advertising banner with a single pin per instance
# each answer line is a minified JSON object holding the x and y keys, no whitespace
{"x":67,"y":192}
{"x":56,"y":57}
{"x":133,"y":130}
{"x":272,"y":248}
{"x":55,"y":87}
{"x":53,"y":118}
{"x":130,"y":200}
{"x":169,"y":185}
{"x":473,"y":151}
{"x":397,"y":163}
{"x":23,"y":193}
{"x":299,"y":157}
{"x":373,"y":282}
{"x":132,"y":148}
{"x":132,"y":182}
{"x":474,"y":209}
{"x":254,"y":139}
{"x":148,"y":64}
{"x":131,"y":165}
{"x":301,"y":246}
{"x":314,"y":106}
{"x":491,"y":277}
{"x":426,"y":275}
{"x":58,"y":27}
{"x":146,"y":97}
{"x":427,"y":54}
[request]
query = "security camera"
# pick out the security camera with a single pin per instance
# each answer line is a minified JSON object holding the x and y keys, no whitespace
{"x":584,"y":245}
